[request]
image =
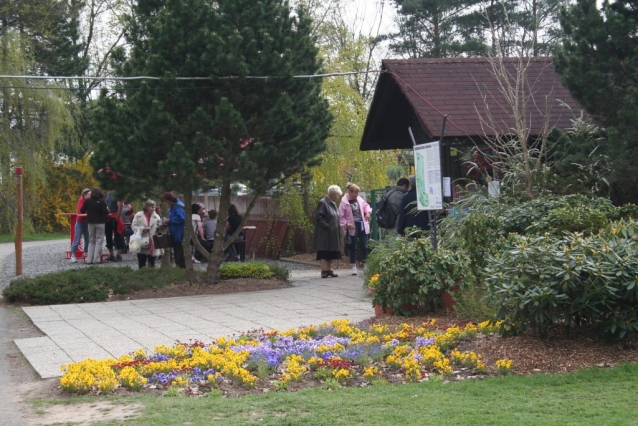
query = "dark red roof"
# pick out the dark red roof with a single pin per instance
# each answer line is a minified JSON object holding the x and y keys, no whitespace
{"x":413,"y":92}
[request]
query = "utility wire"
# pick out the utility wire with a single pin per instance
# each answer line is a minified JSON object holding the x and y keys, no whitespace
{"x":144,"y":77}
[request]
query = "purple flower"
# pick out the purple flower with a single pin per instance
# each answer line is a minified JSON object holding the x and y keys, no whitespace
{"x":423,"y":341}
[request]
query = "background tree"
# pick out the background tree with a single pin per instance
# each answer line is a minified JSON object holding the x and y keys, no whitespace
{"x":598,"y":62}
{"x":347,"y":44}
{"x":439,"y":28}
{"x":34,"y":114}
{"x":449,"y":28}
{"x":230,"y":127}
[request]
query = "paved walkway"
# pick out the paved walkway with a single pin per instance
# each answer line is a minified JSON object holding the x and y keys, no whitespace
{"x":111,"y":329}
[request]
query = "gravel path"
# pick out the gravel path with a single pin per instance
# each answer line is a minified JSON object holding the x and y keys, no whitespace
{"x":41,"y":260}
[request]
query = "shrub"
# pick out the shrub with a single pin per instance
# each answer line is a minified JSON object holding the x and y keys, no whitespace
{"x":628,"y":211}
{"x":245,"y":270}
{"x":94,"y":283}
{"x":471,"y":306}
{"x":535,"y":216}
{"x":90,"y":284}
{"x":414,"y":276}
{"x":477,"y":234}
{"x":583,"y":218}
{"x":571,"y":280}
{"x":380,"y":251}
{"x":280,"y":272}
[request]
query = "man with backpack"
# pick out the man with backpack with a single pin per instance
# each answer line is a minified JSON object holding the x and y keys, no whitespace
{"x":409,"y":216}
{"x":389,"y":205}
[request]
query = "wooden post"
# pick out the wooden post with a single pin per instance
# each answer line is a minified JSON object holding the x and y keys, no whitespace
{"x":18,"y":239}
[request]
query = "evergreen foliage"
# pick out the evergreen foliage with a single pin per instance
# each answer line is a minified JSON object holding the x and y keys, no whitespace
{"x":93,"y":284}
{"x":439,"y":28}
{"x":181,"y":134}
{"x":185,"y":135}
{"x":450,"y":28}
{"x":597,"y":61}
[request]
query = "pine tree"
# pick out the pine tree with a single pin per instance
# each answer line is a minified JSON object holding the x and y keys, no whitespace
{"x":439,"y":28}
{"x":187,"y":134}
{"x":598,"y":63}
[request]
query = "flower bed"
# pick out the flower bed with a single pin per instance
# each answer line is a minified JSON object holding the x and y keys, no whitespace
{"x":331,"y":355}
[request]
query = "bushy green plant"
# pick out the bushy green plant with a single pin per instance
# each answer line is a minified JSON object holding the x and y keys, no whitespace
{"x":525,"y":218}
{"x":379,"y":251}
{"x":90,"y":284}
{"x":245,"y":270}
{"x":280,"y":272}
{"x":583,"y":218}
{"x":477,"y":234}
{"x":471,"y":306}
{"x":628,"y":211}
{"x":414,"y":276}
{"x":538,"y":281}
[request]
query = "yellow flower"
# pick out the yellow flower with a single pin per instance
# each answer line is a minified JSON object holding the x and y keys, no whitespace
{"x":370,"y":372}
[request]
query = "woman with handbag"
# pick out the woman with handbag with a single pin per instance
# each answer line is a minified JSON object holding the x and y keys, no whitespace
{"x":327,"y":238}
{"x":146,"y":222}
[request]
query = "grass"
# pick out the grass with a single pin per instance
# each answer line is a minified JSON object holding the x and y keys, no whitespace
{"x":596,"y":396}
{"x":9,"y":238}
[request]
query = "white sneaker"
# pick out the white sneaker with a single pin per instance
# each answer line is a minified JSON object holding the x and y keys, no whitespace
{"x":195,"y":260}
{"x":354,"y":270}
{"x":73,"y":259}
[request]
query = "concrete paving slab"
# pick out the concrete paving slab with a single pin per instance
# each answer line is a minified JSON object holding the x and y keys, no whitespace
{"x":73,"y":340}
{"x":36,"y":312}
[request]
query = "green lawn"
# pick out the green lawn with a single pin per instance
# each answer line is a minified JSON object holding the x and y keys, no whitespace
{"x":596,"y":397}
{"x":5,"y":238}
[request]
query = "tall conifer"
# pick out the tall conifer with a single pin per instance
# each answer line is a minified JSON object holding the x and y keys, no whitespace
{"x":185,"y":134}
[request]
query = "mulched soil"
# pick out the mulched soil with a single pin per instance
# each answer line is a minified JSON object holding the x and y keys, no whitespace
{"x":223,"y":287}
{"x":559,"y":353}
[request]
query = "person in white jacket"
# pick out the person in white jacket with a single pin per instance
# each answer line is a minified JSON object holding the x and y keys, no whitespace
{"x":147,"y":222}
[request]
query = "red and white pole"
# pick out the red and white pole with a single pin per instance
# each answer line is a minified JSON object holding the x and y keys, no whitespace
{"x":18,"y":239}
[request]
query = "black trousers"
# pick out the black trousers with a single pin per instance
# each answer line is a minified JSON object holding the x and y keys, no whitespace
{"x":113,"y":238}
{"x":143,"y":258}
{"x":178,"y":251}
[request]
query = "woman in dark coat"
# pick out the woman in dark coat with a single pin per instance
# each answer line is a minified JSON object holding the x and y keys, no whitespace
{"x":96,"y":212}
{"x":327,"y":238}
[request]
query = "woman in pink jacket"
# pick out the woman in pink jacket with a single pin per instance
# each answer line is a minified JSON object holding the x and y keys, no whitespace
{"x":355,"y":215}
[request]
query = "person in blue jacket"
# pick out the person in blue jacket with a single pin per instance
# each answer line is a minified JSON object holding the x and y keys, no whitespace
{"x":176,"y":221}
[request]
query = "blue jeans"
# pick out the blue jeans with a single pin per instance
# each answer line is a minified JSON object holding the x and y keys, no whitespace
{"x":359,"y":239}
{"x":81,"y":228}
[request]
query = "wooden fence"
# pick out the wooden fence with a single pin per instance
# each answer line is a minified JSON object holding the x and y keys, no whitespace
{"x":269,"y":236}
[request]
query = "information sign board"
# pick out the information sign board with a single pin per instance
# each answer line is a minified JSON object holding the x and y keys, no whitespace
{"x":427,"y":160}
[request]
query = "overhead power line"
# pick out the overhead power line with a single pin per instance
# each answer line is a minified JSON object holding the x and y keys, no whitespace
{"x":145,"y":77}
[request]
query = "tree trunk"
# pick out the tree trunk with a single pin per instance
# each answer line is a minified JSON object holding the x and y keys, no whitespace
{"x":188,"y":233}
{"x":217,"y":252}
{"x":306,"y":181}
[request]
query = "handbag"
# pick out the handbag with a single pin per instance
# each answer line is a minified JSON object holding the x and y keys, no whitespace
{"x":162,"y":239}
{"x":347,"y":241}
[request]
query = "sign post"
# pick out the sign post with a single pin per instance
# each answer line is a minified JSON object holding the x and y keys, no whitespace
{"x":18,"y":239}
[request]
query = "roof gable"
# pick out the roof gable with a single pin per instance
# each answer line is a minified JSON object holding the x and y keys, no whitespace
{"x":429,"y":88}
